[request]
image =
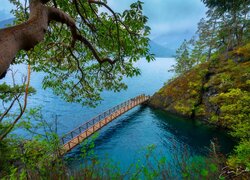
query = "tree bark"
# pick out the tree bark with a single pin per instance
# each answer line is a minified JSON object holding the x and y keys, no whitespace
{"x":28,"y":34}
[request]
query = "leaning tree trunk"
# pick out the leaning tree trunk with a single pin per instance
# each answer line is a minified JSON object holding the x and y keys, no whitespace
{"x":28,"y":34}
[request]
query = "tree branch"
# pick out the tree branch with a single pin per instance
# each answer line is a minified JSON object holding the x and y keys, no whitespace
{"x":9,"y":108}
{"x":93,"y":29}
{"x":116,"y":20}
{"x":2,"y":136}
{"x":59,"y":16}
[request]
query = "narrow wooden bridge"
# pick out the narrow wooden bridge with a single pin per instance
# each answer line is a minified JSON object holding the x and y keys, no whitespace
{"x":76,"y":136}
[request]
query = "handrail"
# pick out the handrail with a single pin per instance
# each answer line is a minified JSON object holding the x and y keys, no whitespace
{"x":78,"y":130}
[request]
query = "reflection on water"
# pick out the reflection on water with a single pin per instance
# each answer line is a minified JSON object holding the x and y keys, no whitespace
{"x":191,"y":132}
{"x":125,"y":139}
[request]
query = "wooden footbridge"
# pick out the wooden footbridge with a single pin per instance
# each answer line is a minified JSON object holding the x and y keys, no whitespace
{"x":76,"y":136}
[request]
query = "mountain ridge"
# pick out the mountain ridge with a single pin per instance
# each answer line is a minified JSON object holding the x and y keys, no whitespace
{"x":159,"y":50}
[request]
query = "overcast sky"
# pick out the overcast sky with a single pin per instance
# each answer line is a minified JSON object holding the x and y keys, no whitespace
{"x":166,"y":17}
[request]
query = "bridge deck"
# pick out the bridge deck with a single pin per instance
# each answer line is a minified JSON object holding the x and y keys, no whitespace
{"x":76,"y":136}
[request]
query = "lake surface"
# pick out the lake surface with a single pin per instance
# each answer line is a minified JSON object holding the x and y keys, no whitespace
{"x":125,"y":139}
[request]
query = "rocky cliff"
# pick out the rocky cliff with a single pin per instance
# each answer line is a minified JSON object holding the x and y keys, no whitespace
{"x":198,"y":93}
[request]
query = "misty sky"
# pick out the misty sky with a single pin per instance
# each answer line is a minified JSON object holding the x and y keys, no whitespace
{"x":167,"y":18}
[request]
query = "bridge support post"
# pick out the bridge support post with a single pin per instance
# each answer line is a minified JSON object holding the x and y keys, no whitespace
{"x":78,"y":139}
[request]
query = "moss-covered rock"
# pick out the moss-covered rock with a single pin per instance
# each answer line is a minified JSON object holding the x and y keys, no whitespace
{"x":217,"y":91}
{"x":193,"y":93}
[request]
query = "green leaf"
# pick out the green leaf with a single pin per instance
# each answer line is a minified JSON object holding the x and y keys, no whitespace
{"x":204,"y":172}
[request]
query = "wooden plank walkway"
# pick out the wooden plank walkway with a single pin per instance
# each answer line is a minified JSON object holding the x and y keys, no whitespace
{"x":79,"y":134}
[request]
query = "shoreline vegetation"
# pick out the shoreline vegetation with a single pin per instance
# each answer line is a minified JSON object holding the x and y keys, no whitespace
{"x":212,"y":80}
{"x":212,"y":83}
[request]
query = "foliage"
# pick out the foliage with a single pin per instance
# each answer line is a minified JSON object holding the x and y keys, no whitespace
{"x":34,"y":154}
{"x":74,"y":70}
{"x":11,"y":97}
{"x":183,"y":61}
{"x":32,"y":158}
{"x":73,"y":73}
{"x":243,"y":52}
{"x":225,"y":28}
{"x":183,"y":95}
{"x":235,"y":114}
{"x":235,"y":109}
{"x":220,"y":86}
{"x":225,"y":6}
{"x":217,"y":89}
{"x":241,"y":156}
{"x":7,"y":92}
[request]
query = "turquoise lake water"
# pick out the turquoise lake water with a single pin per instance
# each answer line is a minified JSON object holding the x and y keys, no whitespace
{"x":125,"y":139}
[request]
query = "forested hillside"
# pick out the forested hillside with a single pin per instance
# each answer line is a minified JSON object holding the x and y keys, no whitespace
{"x":80,"y":50}
{"x":213,"y":75}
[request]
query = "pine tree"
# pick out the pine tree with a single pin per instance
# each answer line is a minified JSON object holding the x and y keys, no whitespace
{"x":183,"y":61}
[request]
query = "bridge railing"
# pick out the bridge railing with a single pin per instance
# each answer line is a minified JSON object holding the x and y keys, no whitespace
{"x":82,"y":128}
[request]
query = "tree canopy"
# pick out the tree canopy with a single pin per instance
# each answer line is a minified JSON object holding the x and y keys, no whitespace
{"x":225,"y":28}
{"x":222,"y":41}
{"x":83,"y":47}
{"x":225,"y":5}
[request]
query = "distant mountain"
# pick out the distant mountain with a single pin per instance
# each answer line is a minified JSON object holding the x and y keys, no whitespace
{"x":159,"y":50}
{"x":173,"y":40}
{"x":6,"y":22}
